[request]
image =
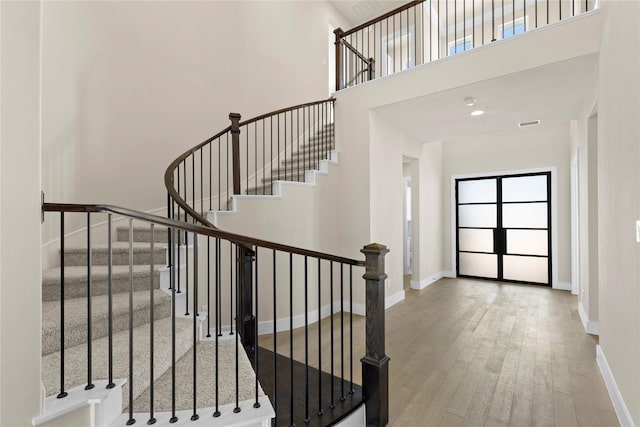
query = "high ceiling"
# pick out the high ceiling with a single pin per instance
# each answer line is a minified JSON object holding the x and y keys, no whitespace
{"x":552,"y":94}
{"x":359,"y":11}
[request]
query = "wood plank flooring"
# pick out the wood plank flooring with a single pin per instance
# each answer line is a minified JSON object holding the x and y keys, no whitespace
{"x":479,"y":353}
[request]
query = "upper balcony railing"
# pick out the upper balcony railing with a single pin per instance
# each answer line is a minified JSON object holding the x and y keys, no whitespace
{"x":423,"y":31}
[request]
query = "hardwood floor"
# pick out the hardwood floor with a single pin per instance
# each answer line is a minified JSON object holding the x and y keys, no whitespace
{"x":468,"y":352}
{"x":478,"y":353}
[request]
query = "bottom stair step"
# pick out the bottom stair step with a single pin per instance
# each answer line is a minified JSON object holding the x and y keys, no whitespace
{"x":205,"y":380}
{"x":76,"y":357}
{"x":282,"y":390}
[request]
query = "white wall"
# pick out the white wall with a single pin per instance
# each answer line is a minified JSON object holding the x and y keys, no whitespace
{"x":546,"y":146}
{"x":128,"y":86}
{"x":368,"y":181}
{"x":618,"y":201}
{"x":20,"y":275}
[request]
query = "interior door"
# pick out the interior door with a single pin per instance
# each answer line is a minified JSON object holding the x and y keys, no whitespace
{"x":504,"y":228}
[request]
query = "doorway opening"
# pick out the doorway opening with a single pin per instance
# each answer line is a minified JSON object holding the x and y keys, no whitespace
{"x":503,"y":229}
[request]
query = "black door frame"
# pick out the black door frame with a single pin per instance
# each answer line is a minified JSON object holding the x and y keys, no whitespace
{"x":500,"y":231}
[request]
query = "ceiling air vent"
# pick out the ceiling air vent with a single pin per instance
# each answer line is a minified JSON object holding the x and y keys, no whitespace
{"x":527,"y":124}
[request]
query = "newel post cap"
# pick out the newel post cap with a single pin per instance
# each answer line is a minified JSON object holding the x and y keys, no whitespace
{"x":374,"y":261}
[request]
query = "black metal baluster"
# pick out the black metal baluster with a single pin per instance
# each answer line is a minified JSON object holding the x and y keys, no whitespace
{"x":231,"y":288}
{"x":291,"y":338}
{"x":304,"y":166}
{"x":179,"y":267}
{"x":351,"y":390}
{"x":174,"y":418}
{"x":195,"y":416}
{"x":332,"y":404}
{"x":216,"y":412}
{"x":62,"y":265}
{"x":320,"y":411}
{"x":559,"y":10}
{"x":278,"y":141}
{"x":208,"y":287}
{"x":201,"y":185}
{"x":493,"y":21}
{"x":257,"y":322}
{"x":152,"y":420}
{"x":342,"y":396}
{"x":306,"y":341}
{"x":275,"y":336}
{"x":110,"y":384}
{"x":238,"y":266}
{"x":186,"y":266}
{"x":90,"y":384}
{"x":285,"y":147}
{"x":131,"y":419}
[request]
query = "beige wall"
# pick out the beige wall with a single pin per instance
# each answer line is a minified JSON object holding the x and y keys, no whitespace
{"x":618,"y":201}
{"x":20,"y":275}
{"x":541,"y":147}
{"x":128,"y":86}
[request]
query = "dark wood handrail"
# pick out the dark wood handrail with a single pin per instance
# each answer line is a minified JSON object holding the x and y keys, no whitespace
{"x":354,"y":50}
{"x":193,"y":228}
{"x":284,"y":110}
{"x":382,"y":17}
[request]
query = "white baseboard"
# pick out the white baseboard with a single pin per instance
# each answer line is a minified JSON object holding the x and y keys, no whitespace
{"x":590,"y":326}
{"x":392,"y":300}
{"x":563,"y":286}
{"x":449,"y":274}
{"x":614,"y":393}
{"x":421,"y":284}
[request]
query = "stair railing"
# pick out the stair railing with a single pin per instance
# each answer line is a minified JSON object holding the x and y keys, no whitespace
{"x":298,"y":296}
{"x":247,"y":157}
{"x":423,"y":31}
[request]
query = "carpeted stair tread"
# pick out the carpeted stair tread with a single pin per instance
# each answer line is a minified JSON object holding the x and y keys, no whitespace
{"x":205,"y":383}
{"x":76,"y":317}
{"x":298,"y":177}
{"x":75,"y":280}
{"x":76,"y":357}
{"x":142,"y":234}
{"x":120,"y":251}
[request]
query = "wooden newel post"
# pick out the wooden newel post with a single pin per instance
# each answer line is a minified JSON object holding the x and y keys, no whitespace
{"x":372,"y":68}
{"x":245,"y":320}
{"x":235,"y":146}
{"x":338,"y":32}
{"x":375,"y":363}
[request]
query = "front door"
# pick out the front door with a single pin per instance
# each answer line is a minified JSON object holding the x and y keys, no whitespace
{"x":504,"y":228}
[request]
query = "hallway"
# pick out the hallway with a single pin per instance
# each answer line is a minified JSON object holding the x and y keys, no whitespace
{"x":469,"y":352}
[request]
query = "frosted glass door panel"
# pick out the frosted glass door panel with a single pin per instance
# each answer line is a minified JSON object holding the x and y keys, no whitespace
{"x":475,"y":240}
{"x":524,"y":215}
{"x":477,"y":191}
{"x":526,"y":269}
{"x":524,"y":188}
{"x":477,"y":216}
{"x":527,"y":242}
{"x":479,"y":265}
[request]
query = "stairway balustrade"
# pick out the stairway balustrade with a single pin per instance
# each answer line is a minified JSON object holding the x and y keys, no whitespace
{"x":423,"y":31}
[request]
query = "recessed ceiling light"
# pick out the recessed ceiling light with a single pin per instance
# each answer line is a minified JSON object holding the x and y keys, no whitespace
{"x":531,"y":123}
{"x":477,"y":113}
{"x":469,"y":101}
